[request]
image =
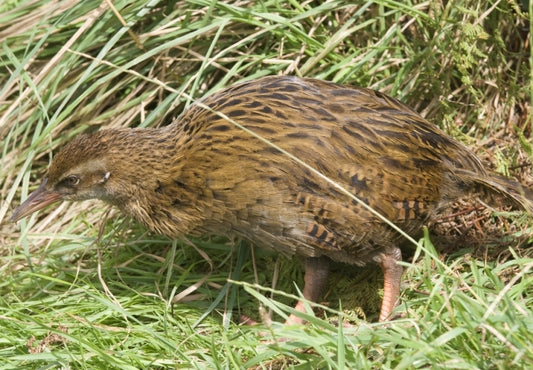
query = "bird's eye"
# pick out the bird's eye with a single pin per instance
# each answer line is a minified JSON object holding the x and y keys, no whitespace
{"x":72,"y":180}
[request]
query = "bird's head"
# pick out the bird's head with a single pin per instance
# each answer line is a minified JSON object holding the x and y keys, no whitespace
{"x":79,"y":171}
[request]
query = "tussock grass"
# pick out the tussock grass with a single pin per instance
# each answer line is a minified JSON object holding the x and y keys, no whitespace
{"x":83,"y":287}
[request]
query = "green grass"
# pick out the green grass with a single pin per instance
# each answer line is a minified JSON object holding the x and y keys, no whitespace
{"x":95,"y":290}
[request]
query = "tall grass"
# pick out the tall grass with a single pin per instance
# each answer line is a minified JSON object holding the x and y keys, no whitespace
{"x":83,"y":287}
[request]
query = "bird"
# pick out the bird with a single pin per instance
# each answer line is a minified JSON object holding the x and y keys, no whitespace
{"x":226,"y":166}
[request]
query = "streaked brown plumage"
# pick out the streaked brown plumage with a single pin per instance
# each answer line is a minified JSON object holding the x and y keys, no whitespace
{"x":202,"y":174}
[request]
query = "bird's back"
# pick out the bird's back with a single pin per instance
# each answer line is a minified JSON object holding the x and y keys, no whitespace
{"x":374,"y":146}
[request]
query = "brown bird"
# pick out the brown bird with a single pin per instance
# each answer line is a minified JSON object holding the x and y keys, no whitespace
{"x":204,"y":175}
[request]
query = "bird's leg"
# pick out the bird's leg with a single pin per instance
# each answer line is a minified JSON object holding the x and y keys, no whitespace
{"x":392,"y":273}
{"x":315,"y":280}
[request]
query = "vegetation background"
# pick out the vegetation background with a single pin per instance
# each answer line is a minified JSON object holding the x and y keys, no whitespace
{"x":84,"y":287}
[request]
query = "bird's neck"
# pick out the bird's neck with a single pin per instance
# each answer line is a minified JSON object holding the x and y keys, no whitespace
{"x":145,"y":166}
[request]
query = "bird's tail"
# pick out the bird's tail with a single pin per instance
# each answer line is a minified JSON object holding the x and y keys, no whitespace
{"x":498,"y":190}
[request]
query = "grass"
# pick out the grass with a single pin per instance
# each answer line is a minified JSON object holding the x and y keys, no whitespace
{"x":84,"y":287}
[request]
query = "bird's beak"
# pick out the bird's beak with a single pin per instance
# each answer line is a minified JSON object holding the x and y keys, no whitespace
{"x":37,"y":200}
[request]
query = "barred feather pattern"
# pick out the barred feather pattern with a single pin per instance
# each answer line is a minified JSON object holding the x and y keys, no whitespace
{"x":202,"y":174}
